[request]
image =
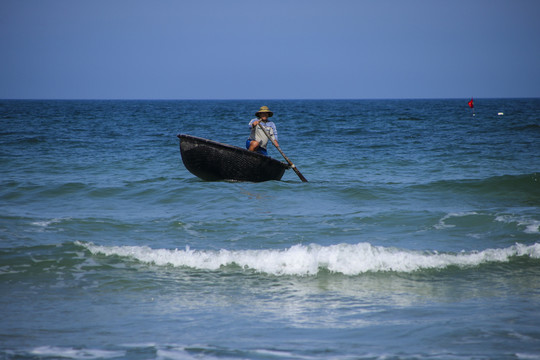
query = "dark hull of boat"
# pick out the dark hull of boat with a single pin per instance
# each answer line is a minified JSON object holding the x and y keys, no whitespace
{"x":214,"y":161}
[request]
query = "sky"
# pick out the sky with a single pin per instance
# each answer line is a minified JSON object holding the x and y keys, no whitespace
{"x":271,"y":49}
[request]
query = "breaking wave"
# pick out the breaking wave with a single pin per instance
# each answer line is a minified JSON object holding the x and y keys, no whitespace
{"x":347,"y":259}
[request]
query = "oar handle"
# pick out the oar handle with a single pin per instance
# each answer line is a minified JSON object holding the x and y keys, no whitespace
{"x":283,"y":154}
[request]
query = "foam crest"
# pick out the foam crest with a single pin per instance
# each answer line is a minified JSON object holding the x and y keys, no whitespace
{"x":348,"y":259}
{"x":70,"y":353}
{"x":530,"y":226}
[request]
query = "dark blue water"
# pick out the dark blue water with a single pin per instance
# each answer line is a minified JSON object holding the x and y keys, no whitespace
{"x":417,"y":236}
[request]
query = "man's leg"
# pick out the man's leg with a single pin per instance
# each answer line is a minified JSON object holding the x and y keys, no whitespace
{"x":253,"y":145}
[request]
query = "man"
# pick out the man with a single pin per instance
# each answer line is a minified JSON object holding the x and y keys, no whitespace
{"x":257,"y":138}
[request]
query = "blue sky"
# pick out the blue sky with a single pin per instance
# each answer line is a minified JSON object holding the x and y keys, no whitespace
{"x":279,"y":49}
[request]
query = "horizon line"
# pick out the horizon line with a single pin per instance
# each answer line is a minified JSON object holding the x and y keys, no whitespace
{"x":260,"y":99}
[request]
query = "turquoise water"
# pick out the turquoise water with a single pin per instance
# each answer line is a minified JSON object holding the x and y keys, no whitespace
{"x":417,"y":236}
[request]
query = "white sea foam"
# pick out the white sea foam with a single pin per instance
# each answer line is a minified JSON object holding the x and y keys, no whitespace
{"x":533,"y":228}
{"x":442,"y":222}
{"x":46,"y":223}
{"x":174,"y":354}
{"x":348,"y":259}
{"x":530,"y":226}
{"x":70,"y":353}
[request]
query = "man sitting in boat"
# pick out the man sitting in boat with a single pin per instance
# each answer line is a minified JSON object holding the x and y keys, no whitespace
{"x":257,"y":138}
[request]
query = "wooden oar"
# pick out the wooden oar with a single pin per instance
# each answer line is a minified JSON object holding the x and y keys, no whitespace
{"x":283,"y":154}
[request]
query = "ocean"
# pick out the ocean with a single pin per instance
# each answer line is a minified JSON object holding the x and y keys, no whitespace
{"x":416,"y":237}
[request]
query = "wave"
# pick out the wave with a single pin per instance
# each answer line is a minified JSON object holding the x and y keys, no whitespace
{"x":526,"y":184}
{"x":306,"y":260}
{"x":72,"y":353}
{"x":528,"y":127}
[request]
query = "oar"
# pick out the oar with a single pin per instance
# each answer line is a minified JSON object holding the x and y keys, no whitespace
{"x":282,"y":153}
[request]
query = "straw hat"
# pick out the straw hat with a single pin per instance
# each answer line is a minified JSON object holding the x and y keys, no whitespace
{"x":264,"y":109}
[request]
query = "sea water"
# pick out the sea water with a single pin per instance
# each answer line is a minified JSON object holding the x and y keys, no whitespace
{"x":416,"y":237}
